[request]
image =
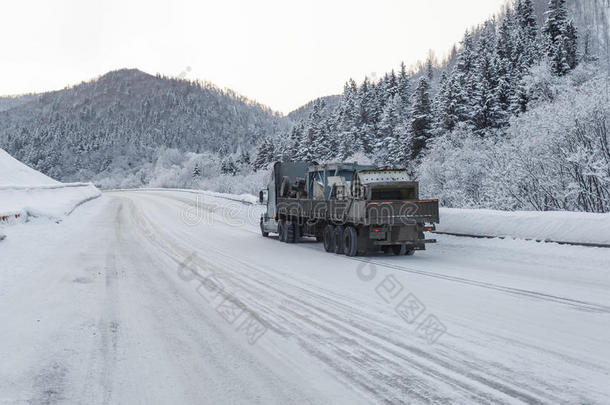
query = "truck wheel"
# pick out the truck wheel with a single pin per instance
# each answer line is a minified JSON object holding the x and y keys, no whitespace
{"x":290,"y":231}
{"x":281,"y":230}
{"x":409,"y":252}
{"x":399,"y":250}
{"x":329,"y":238}
{"x":339,"y":240}
{"x":350,"y":241}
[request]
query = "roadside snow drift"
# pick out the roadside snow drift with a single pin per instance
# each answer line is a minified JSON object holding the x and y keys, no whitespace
{"x":13,"y":172}
{"x":26,"y":192}
{"x":559,"y":226}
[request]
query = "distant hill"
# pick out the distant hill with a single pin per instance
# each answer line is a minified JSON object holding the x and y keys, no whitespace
{"x":122,"y":118}
{"x":8,"y":102}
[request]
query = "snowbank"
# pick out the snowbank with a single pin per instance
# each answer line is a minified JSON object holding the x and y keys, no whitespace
{"x":26,"y":192}
{"x":13,"y":171}
{"x":54,"y":202}
{"x":560,"y":226}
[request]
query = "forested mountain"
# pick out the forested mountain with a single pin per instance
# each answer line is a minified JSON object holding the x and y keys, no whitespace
{"x":511,"y":70}
{"x":122,"y":119}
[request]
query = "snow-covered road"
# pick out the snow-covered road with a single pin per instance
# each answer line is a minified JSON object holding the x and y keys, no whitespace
{"x":164,"y":297}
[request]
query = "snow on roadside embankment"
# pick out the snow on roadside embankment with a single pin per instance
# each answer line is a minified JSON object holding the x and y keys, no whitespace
{"x":26,"y":192}
{"x":13,"y":172}
{"x":54,"y":201}
{"x":556,"y":226}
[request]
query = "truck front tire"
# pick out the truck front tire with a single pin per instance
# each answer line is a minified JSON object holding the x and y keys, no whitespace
{"x":263,"y":232}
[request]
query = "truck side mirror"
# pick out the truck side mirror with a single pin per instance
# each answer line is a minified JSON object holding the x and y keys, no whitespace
{"x":263,"y":196}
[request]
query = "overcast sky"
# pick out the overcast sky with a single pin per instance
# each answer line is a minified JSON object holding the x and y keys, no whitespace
{"x":281,"y":53}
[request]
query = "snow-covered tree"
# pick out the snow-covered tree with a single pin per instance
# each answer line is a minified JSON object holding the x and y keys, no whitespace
{"x":420,"y":125}
{"x":196,"y":171}
{"x":228,"y":166}
{"x":560,"y":38}
{"x":265,"y":154}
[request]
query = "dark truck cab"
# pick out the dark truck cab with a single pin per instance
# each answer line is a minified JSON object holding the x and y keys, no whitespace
{"x":353,"y":209}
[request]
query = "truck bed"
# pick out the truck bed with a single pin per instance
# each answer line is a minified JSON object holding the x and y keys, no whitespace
{"x":361,"y":212}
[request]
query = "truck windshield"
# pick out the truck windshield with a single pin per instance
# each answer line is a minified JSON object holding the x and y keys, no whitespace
{"x":393,"y":194}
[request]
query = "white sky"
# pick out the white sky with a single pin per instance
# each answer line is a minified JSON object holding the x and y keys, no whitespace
{"x":282,"y":53}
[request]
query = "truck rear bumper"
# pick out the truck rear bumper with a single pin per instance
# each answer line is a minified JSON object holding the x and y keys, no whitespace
{"x":414,"y":242}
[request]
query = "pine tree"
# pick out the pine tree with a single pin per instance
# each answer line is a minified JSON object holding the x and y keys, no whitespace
{"x":404,"y":91}
{"x":347,"y":119}
{"x":505,"y":87}
{"x":228,"y":166}
{"x":264,"y":155}
{"x":430,"y":69}
{"x":446,"y":112}
{"x":390,"y":85}
{"x":509,"y":52}
{"x":294,"y":141}
{"x":560,"y":38}
{"x":464,"y":74}
{"x":519,"y":99}
{"x":244,"y":158}
{"x":420,"y":125}
{"x":365,"y":136}
{"x":389,"y":118}
{"x":507,"y":41}
{"x":527,"y":35}
{"x":397,"y":148}
{"x":313,"y":141}
{"x":196,"y":171}
{"x":571,"y":45}
{"x":487,"y":112}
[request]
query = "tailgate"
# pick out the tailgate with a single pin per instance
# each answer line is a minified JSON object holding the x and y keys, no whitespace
{"x":393,"y":212}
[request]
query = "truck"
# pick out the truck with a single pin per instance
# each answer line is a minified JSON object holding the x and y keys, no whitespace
{"x":353,"y":209}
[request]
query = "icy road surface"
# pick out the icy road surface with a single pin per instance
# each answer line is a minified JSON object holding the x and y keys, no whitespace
{"x":141,"y":298}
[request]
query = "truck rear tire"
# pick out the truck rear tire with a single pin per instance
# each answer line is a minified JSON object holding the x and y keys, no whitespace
{"x":339,"y":240}
{"x":281,"y":230}
{"x":399,"y":250}
{"x":329,"y":238}
{"x":350,"y":241}
{"x":291,"y":232}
